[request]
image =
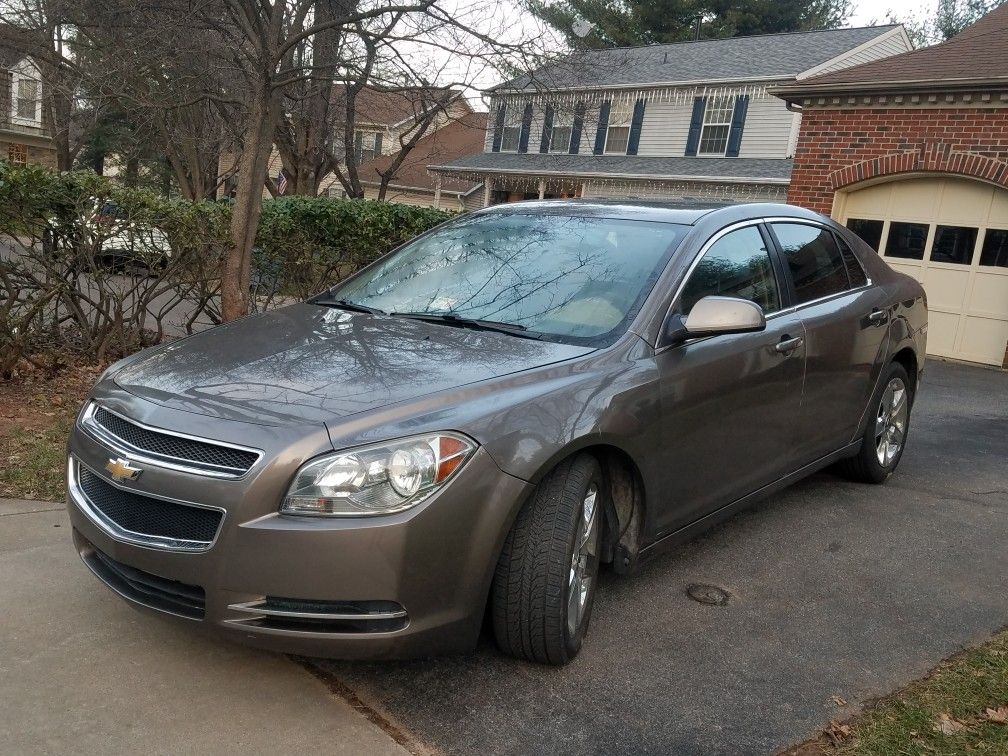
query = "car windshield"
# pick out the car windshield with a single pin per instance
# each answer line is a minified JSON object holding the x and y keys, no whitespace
{"x":564,"y":278}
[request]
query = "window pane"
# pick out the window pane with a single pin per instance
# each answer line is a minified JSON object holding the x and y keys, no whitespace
{"x":737,"y":265}
{"x":954,"y":244}
{"x":995,"y":248}
{"x":813,"y":259}
{"x":560,"y":139}
{"x":855,"y":272}
{"x":509,"y":142}
{"x":906,"y":240}
{"x":714,"y":140}
{"x":618,"y":139}
{"x":869,"y":231}
{"x":27,"y":97}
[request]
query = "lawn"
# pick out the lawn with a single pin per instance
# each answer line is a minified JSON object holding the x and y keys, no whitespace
{"x":37,"y":410}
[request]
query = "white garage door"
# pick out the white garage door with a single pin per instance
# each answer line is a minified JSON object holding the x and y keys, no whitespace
{"x":952,"y":236}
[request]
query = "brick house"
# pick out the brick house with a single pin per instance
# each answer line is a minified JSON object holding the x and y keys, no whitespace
{"x":25,"y":122}
{"x":911,"y":153}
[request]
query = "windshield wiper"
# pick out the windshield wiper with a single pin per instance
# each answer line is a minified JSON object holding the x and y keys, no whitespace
{"x":346,"y":304}
{"x":450,"y":318}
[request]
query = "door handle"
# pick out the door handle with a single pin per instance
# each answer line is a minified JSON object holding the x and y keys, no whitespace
{"x":877,"y":316}
{"x":787,"y":345}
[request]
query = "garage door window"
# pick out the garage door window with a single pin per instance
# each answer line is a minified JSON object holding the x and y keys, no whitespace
{"x":906,"y":240}
{"x":954,"y":244}
{"x":816,"y":266}
{"x":736,"y":265}
{"x":869,"y":231}
{"x":995,"y":248}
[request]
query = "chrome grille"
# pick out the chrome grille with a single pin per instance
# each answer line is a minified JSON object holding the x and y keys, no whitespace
{"x":142,"y":442}
{"x":143,"y":519}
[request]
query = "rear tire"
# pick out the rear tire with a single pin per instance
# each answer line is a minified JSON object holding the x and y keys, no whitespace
{"x":886,"y":431}
{"x":544,"y":585}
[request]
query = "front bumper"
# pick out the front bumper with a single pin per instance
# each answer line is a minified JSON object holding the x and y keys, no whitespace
{"x":422,"y":575}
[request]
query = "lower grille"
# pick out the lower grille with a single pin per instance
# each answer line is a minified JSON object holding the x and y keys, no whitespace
{"x":153,"y":521}
{"x":144,"y":588}
{"x":301,"y":616}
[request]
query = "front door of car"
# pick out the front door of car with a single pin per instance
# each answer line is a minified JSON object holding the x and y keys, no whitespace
{"x":846,"y":327}
{"x":729,"y":403}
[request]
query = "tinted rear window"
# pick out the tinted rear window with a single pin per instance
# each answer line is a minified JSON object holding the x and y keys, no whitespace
{"x":814,"y":260}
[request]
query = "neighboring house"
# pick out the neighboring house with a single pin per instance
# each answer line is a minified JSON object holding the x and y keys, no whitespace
{"x":382,"y":118}
{"x":414,"y":185}
{"x":911,"y":153}
{"x":25,"y":123}
{"x":691,"y":119}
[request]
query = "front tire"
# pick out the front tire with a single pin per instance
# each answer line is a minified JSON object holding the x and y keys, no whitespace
{"x":886,"y":430}
{"x":544,"y":586}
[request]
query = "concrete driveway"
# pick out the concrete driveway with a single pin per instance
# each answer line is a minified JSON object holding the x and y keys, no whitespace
{"x":837,"y":589}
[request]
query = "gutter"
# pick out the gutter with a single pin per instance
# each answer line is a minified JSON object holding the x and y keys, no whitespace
{"x":887,"y":86}
{"x":598,"y":175}
{"x":639,"y":85}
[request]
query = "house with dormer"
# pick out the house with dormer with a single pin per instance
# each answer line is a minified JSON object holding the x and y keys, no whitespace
{"x":25,"y":122}
{"x":683,"y":120}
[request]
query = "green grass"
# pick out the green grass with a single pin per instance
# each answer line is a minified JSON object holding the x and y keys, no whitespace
{"x":962,"y":688}
{"x":36,"y":461}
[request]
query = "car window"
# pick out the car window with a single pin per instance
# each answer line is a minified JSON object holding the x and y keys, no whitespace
{"x":855,"y":272}
{"x":569,"y":278}
{"x":736,"y":265}
{"x":813,"y":258}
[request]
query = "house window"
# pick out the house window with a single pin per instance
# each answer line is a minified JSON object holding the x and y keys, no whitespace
{"x":26,"y":105}
{"x":367,"y":144}
{"x":560,"y":137}
{"x":512,"y":129}
{"x":716,"y":125}
{"x":618,"y":133}
{"x":18,"y":154}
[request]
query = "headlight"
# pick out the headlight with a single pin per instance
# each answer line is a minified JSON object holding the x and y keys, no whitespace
{"x":377,"y":479}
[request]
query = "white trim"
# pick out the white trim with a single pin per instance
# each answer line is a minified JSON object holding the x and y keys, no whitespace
{"x":25,"y":70}
{"x":593,"y":174}
{"x":897,"y":31}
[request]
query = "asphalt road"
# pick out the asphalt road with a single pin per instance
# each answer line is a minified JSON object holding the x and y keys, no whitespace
{"x":838,"y":589}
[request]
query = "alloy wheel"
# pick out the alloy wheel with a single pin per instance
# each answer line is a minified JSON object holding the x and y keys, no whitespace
{"x":582,"y":569}
{"x":891,"y":422}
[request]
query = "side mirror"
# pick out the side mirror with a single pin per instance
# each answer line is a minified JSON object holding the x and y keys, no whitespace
{"x":714,"y":316}
{"x":717,"y":315}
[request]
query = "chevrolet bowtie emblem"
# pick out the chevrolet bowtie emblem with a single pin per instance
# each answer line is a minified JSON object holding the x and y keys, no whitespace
{"x":121,"y":469}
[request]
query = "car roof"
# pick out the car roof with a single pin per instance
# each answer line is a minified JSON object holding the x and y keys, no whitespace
{"x":683,"y":211}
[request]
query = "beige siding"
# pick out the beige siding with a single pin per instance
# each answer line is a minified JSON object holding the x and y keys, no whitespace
{"x":665,"y":128}
{"x":882,"y":48}
{"x":767,"y":129}
{"x":591,"y":117}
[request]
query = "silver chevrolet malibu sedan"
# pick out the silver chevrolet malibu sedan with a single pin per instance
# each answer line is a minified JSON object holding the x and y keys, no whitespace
{"x":477,"y":421}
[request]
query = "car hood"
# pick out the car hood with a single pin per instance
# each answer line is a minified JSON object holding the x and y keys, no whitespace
{"x":307,"y":363}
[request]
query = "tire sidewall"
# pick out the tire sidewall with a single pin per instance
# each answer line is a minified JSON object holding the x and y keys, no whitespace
{"x":573,"y":643}
{"x":868,"y":450}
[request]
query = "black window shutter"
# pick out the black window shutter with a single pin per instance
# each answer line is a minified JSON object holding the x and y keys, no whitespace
{"x":635,"y":127}
{"x":737,"y":124}
{"x":603,"y":126}
{"x":526,"y":127}
{"x":696,"y":124}
{"x":544,"y":143}
{"x":576,"y":128}
{"x":498,"y":132}
{"x":377,"y":144}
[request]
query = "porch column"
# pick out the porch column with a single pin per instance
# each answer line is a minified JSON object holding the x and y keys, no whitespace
{"x":542,"y":188}
{"x":487,"y":188}
{"x":437,"y":192}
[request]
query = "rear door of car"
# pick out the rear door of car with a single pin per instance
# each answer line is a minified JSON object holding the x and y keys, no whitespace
{"x":845,"y":320}
{"x":729,"y":403}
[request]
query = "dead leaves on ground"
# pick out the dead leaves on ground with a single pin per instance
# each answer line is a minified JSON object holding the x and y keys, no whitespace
{"x":999,"y":715}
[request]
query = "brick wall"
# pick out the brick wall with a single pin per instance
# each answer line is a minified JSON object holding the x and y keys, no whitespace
{"x":840,"y":147}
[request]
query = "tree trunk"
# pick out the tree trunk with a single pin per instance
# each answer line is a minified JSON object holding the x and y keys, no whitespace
{"x":252,"y":165}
